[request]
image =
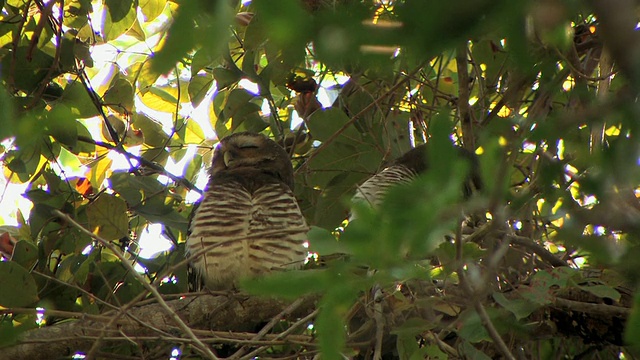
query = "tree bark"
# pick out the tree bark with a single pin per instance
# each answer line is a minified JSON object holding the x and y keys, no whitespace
{"x":227,"y":313}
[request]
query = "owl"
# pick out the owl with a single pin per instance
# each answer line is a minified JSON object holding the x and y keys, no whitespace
{"x":404,"y":169}
{"x":249,"y":222}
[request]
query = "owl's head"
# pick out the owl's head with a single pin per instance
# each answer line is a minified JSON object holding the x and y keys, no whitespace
{"x":414,"y":159}
{"x":417,"y":161}
{"x":245,"y":153}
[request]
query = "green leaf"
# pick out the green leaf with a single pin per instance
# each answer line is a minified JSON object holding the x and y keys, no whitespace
{"x":83,"y":147}
{"x":193,"y":167}
{"x":159,"y":99}
{"x":519,"y":307}
{"x":25,"y":253}
{"x":555,"y":277}
{"x":193,"y":133}
{"x":287,"y":284}
{"x":413,"y":326}
{"x":82,"y":272}
{"x":69,"y":267}
{"x":44,"y":203}
{"x":154,"y":136}
{"x":323,"y":242}
{"x":75,"y":97}
{"x":119,"y":17}
{"x":120,"y":96}
{"x":24,"y":161}
{"x":146,"y":76}
{"x":68,"y":54}
{"x":446,"y":252}
{"x":225,"y":77}
{"x":286,"y":22}
{"x":17,"y":3}
{"x":330,"y":322}
{"x":429,"y":352}
{"x":116,"y":276}
{"x":162,"y":214}
{"x":472,"y":329}
{"x":76,"y":12}
{"x":324,"y":124}
{"x":202,"y":59}
{"x":23,"y":290}
{"x":152,"y":8}
{"x":29,"y":70}
{"x":491,"y":54}
{"x":62,"y":125}
{"x":148,"y":198}
{"x":7,"y":117}
{"x":157,"y":155}
{"x":137,"y":31}
{"x":198,"y":87}
{"x":407,"y":345}
{"x":331,"y":207}
{"x":235,"y":101}
{"x":329,"y":165}
{"x":538,"y":295}
{"x":255,"y":34}
{"x":632,"y":329}
{"x":181,"y":38}
{"x":472,"y":353}
{"x":9,"y":334}
{"x":602,"y":291}
{"x":108,"y":217}
{"x":243,"y":113}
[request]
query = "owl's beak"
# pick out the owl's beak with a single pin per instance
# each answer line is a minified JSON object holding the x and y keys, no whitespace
{"x":228,"y":158}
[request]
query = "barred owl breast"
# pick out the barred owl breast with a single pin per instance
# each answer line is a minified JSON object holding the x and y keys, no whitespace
{"x":249,"y":222}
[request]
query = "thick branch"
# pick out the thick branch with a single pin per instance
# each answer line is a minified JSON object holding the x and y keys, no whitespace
{"x":205,"y":311}
{"x":153,"y":290}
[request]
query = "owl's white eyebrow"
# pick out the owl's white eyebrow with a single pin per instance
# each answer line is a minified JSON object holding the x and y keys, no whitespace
{"x":248,"y":145}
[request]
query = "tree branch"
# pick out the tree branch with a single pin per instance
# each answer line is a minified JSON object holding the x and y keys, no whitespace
{"x":142,"y":161}
{"x":543,"y":253}
{"x":153,"y":290}
{"x":236,"y":313}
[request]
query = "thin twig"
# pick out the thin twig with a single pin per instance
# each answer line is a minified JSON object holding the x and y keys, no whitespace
{"x":283,"y":334}
{"x":538,"y":250}
{"x":46,"y":14}
{"x":355,"y":117}
{"x":477,"y":304}
{"x":597,"y":130}
{"x":464,"y":109}
{"x":58,"y":313}
{"x":142,"y":161}
{"x":75,"y":287}
{"x":442,"y":345}
{"x":265,"y":329}
{"x":488,"y":325}
{"x":378,"y":314}
{"x":593,"y":309}
{"x":125,"y":262}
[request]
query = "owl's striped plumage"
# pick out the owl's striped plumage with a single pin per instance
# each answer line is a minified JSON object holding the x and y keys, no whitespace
{"x":248,"y":222}
{"x":372,"y":191}
{"x":406,"y":168}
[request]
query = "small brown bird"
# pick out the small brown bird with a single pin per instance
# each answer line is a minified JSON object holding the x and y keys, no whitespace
{"x":404,"y":169}
{"x":249,"y":222}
